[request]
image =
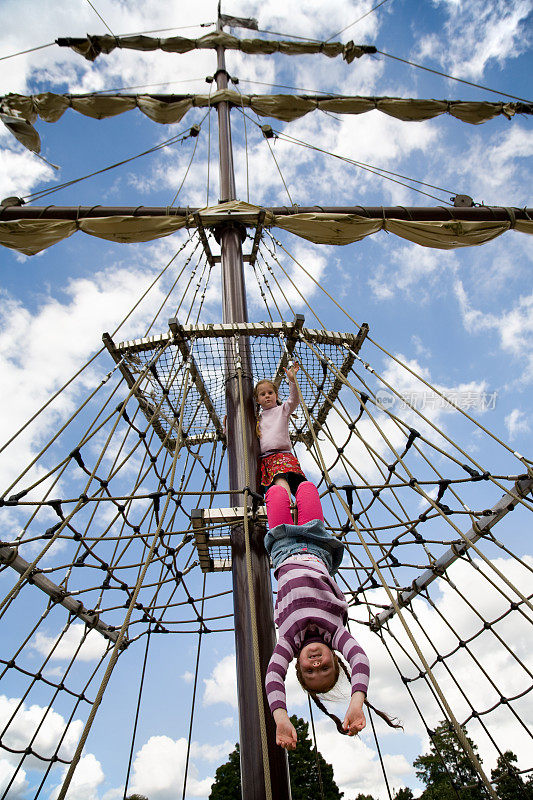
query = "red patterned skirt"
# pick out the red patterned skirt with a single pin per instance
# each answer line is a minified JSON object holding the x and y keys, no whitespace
{"x":285,"y":464}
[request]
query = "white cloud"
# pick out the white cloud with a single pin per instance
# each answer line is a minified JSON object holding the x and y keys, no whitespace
{"x":475,"y":33}
{"x":20,"y":170}
{"x":26,"y":720}
{"x":221,"y":686}
{"x":159,"y":768}
{"x":85,"y":781}
{"x":517,"y":422}
{"x":417,"y":272}
{"x":513,"y":327}
{"x":19,"y":785}
{"x":59,"y":338}
{"x":226,"y":722}
{"x":92,"y":648}
{"x":356,"y":765}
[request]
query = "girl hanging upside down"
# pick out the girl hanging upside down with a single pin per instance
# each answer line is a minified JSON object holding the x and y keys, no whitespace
{"x":311,"y":613}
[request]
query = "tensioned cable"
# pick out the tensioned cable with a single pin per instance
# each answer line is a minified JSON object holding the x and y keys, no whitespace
{"x":245,"y":141}
{"x":180,"y":137}
{"x":101,"y":18}
{"x":193,"y":701}
{"x":30,"y":50}
{"x":315,"y":748}
{"x":357,"y":20}
{"x":136,"y":721}
{"x":379,"y":171}
{"x":135,"y":33}
{"x":147,"y":85}
{"x":288,"y":35}
{"x":180,"y":187}
{"x":164,"y":30}
{"x":452,"y":77}
{"x":208,"y":144}
{"x":279,"y":170}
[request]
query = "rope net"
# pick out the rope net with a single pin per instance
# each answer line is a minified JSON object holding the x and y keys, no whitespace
{"x":100,"y":548}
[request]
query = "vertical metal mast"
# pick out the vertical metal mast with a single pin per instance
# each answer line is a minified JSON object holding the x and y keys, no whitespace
{"x":254,"y":785}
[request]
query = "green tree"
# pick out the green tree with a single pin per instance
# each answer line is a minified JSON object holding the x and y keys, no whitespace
{"x":362,"y":796}
{"x":508,"y":782}
{"x":445,"y":762}
{"x":305,"y":782}
{"x":227,"y":785}
{"x":404,"y":793}
{"x":136,"y":797}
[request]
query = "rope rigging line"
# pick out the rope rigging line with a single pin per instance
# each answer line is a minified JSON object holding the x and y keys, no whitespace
{"x":115,"y":653}
{"x":453,"y":78}
{"x":371,"y":11}
{"x":30,"y":50}
{"x":250,"y":585}
{"x":379,"y":171}
{"x":178,"y":138}
{"x":469,"y":542}
{"x":101,"y":18}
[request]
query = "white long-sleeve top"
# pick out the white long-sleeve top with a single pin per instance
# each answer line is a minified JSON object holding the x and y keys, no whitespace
{"x":274,"y":424}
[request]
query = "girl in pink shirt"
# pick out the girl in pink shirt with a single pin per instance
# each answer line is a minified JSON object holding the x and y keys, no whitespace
{"x":278,"y":465}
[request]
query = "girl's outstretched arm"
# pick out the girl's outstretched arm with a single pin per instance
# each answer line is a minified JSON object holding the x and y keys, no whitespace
{"x":285,"y":731}
{"x":355,"y":721}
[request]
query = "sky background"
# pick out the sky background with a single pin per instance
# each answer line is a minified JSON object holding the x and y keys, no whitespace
{"x":463,"y":319}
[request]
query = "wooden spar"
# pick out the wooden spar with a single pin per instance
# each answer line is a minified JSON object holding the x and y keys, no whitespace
{"x":9,"y":213}
{"x":253,"y":780}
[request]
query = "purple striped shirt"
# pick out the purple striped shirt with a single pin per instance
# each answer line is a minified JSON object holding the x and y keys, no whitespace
{"x":308,"y":598}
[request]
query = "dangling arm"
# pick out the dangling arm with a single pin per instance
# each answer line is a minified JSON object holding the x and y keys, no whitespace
{"x":351,"y":650}
{"x":275,"y":689}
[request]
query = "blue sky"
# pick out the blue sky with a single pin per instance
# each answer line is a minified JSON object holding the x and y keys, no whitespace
{"x":463,"y":319}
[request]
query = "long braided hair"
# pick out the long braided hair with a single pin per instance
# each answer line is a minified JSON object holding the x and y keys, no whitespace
{"x":339,"y":664}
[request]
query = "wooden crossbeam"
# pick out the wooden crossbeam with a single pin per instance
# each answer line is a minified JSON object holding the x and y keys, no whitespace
{"x":204,"y":520}
{"x":9,"y":557}
{"x":181,"y":342}
{"x":507,"y":503}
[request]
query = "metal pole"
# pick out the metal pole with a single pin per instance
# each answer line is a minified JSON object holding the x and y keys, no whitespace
{"x":235,"y":310}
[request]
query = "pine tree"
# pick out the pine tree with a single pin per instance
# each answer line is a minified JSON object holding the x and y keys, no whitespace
{"x":304,"y":772}
{"x":445,"y":762}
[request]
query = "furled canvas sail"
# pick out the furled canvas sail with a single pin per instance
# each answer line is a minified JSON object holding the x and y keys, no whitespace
{"x":91,"y":47}
{"x":30,"y":236}
{"x":172,"y":108}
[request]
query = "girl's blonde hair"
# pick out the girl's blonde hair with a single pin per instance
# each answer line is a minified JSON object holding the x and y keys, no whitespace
{"x":392,"y":722}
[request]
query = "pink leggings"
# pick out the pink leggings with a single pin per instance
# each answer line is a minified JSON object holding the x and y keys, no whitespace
{"x":278,"y":505}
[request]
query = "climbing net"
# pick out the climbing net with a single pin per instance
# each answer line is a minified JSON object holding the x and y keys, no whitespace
{"x":100,"y":548}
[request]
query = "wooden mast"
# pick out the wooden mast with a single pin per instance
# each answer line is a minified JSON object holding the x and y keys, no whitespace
{"x":254,"y":784}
